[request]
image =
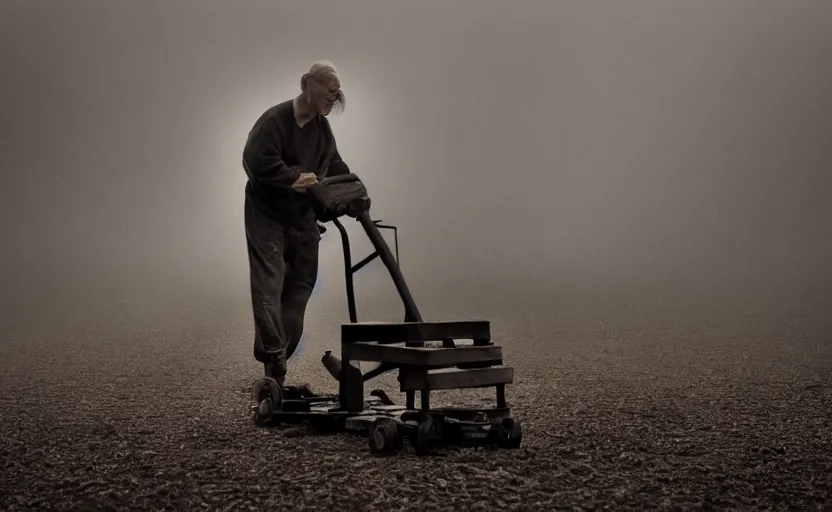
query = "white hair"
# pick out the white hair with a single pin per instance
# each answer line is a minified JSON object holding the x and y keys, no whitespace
{"x":322,"y":67}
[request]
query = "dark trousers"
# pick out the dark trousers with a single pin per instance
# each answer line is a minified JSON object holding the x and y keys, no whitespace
{"x":283,"y":263}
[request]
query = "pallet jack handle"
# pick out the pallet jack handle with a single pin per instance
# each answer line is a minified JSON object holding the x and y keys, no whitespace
{"x":382,"y":250}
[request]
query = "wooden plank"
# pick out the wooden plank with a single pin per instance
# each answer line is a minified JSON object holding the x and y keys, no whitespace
{"x":416,"y":333}
{"x":421,"y":356}
{"x":453,"y":378}
{"x":479,"y":364}
{"x":387,"y":409}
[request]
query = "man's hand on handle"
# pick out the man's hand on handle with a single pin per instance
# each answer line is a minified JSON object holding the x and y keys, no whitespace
{"x":305,"y":181}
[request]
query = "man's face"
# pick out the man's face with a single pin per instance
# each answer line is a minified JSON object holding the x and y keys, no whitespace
{"x":326,"y":91}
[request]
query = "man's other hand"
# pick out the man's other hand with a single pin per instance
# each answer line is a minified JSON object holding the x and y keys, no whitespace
{"x":305,"y":181}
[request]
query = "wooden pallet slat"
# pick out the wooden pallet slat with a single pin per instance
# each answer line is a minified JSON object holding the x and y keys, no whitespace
{"x":416,"y":333}
{"x":421,"y":356}
{"x":420,"y":379}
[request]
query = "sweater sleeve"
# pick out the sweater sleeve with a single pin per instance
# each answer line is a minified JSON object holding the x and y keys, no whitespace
{"x":263,"y":158}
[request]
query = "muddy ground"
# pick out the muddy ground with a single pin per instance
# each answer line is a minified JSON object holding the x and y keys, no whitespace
{"x":637,"y":398}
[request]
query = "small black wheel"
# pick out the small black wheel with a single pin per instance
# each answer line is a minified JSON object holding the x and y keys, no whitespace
{"x":510,"y":434}
{"x":266,"y":399}
{"x":384,"y":438}
{"x":428,"y":435}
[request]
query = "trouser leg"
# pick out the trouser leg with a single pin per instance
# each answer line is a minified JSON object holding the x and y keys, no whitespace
{"x":301,"y":276}
{"x":267,"y":242}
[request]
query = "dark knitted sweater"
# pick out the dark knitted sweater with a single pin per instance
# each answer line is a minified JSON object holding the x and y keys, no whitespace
{"x":277,"y":151}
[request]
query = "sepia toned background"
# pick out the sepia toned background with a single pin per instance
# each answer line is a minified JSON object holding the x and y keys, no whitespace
{"x":636,"y":194}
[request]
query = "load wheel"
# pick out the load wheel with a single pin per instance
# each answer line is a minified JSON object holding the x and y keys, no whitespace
{"x":428,"y":435}
{"x":266,"y":399}
{"x":384,"y":438}
{"x":510,"y":433}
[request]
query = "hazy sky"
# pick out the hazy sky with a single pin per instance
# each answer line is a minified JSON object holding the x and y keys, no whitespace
{"x":527,"y":140}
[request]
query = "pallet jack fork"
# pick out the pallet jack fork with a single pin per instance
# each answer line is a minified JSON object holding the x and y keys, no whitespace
{"x":429,"y":356}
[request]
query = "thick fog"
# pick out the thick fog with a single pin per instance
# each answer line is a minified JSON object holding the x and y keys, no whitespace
{"x":514,"y":143}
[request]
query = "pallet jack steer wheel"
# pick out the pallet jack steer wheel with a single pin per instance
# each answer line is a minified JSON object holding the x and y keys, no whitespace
{"x":266,"y":399}
{"x":384,"y":438}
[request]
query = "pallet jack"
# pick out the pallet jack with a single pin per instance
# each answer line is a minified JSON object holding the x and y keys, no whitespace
{"x":429,"y":356}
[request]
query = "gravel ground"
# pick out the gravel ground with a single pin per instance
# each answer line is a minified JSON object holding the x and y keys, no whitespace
{"x":629,"y":399}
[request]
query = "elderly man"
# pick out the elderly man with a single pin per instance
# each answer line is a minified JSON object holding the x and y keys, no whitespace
{"x":289,"y":148}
